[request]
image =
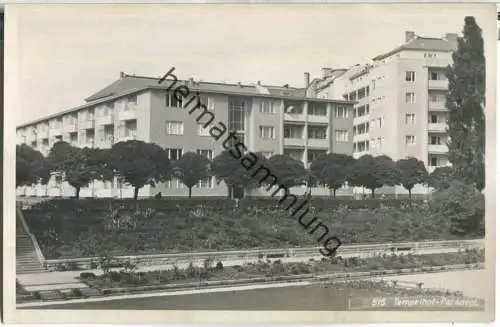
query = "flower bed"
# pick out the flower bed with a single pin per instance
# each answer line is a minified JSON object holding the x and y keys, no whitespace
{"x":69,"y":228}
{"x":129,"y":278}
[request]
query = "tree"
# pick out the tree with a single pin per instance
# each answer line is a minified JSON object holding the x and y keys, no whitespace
{"x":333,"y":170}
{"x":139,"y":163}
{"x":30,"y":166}
{"x":79,"y":167}
{"x":411,"y":172}
{"x":191,"y":168}
{"x":254,"y":182}
{"x":465,"y":102}
{"x":289,"y":171}
{"x":464,"y":205}
{"x":373,"y":172}
{"x":69,"y":162}
{"x":387,"y":171}
{"x":440,"y":178}
{"x":228,"y":169}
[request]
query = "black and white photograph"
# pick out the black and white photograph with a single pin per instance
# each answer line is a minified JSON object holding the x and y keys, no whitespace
{"x":249,"y":163}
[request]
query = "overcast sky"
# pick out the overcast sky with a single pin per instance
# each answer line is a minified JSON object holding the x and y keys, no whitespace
{"x":67,"y":52}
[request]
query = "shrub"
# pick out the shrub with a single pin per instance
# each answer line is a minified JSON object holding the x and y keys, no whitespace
{"x":219,"y":266}
{"x":464,"y":205}
{"x":73,"y":266}
{"x":77,"y":292}
{"x":87,"y":275}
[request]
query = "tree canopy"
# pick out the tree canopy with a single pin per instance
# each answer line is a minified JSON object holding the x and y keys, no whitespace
{"x":140,"y":163}
{"x":411,"y":172}
{"x":191,"y":168}
{"x":465,"y":102}
{"x":289,"y":171}
{"x":30,"y":166}
{"x":333,"y":170}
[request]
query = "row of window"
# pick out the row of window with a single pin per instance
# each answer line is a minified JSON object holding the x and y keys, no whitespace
{"x":361,"y":110}
{"x":237,"y":108}
{"x":433,"y":76}
{"x":83,"y":116}
{"x":409,"y":140}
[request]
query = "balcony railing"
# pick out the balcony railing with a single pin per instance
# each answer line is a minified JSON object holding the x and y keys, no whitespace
{"x":319,"y":143}
{"x":105,"y":120}
{"x":86,"y":124}
{"x":437,"y":127}
{"x":295,"y":117}
{"x":317,"y":119}
{"x":437,"y":106}
{"x":70,"y":127}
{"x":127,"y":114}
{"x":441,"y":84}
{"x":294,"y":142}
{"x":437,"y":148}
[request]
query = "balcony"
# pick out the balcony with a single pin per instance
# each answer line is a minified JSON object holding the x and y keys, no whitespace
{"x":295,"y":142}
{"x":437,"y":148}
{"x":437,"y":127}
{"x":319,"y":143}
{"x":437,"y":106}
{"x":127,"y":115}
{"x":441,"y":84}
{"x":70,"y":127}
{"x":105,"y":120}
{"x":127,"y":138}
{"x":87,"y":124}
{"x":55,"y":131}
{"x":317,"y":119}
{"x":299,"y":117}
{"x":42,"y":134}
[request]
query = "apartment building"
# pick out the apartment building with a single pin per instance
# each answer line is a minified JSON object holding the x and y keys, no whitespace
{"x":269,"y":119}
{"x":400,"y":100}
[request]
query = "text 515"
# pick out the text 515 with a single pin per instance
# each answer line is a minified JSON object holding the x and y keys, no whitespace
{"x":378,"y":302}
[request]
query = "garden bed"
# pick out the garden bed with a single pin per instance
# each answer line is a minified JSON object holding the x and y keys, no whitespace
{"x":277,"y":271}
{"x":87,"y":228}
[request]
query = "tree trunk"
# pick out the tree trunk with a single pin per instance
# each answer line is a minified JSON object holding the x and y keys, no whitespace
{"x":190,"y":191}
{"x":373,"y":193}
{"x":77,"y":192}
{"x":334,"y":193}
{"x":136,"y":192}
{"x":409,"y":193}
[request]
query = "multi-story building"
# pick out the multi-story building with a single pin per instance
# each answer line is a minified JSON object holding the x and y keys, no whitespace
{"x":400,"y":100}
{"x":269,"y":119}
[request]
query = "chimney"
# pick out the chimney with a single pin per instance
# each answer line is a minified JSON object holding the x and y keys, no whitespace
{"x":258,"y":82}
{"x":451,"y":37}
{"x":409,"y":35}
{"x":307,"y":78}
{"x":122,"y":74}
{"x":326,"y":72}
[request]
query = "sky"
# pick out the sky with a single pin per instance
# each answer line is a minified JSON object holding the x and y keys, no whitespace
{"x":60,"y":54}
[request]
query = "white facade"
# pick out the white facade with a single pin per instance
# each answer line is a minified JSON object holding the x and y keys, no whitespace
{"x":400,"y":110}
